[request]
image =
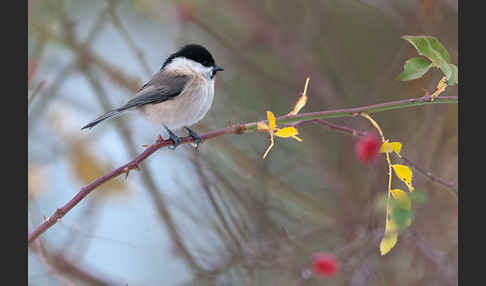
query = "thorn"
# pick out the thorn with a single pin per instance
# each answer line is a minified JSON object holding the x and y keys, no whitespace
{"x":159,"y":139}
{"x":355,"y":114}
{"x":145,"y":146}
{"x":427,"y":95}
{"x":240,"y":129}
{"x":45,"y":218}
{"x":127,"y":171}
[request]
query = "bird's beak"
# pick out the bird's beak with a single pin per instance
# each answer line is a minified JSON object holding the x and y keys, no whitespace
{"x":217,"y":69}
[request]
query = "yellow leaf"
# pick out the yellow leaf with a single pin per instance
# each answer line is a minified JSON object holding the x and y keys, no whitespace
{"x":390,"y":238}
{"x":402,"y":198}
{"x":405,"y":174}
{"x":302,"y":100}
{"x":388,"y":242}
{"x":271,"y":120}
{"x":287,"y":132}
{"x":397,"y":147}
{"x":388,"y":147}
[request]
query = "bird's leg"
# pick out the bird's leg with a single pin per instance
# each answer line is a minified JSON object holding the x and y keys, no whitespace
{"x":173,"y":137}
{"x":193,"y":134}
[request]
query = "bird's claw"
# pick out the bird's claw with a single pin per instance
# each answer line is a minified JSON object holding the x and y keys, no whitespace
{"x":193,"y":134}
{"x":176,"y":140}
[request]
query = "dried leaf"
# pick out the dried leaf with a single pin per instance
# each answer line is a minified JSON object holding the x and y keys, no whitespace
{"x":301,"y":101}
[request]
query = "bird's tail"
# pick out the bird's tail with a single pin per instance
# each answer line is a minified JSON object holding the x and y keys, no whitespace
{"x":107,"y":115}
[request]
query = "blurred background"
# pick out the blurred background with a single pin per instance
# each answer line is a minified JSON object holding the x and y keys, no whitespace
{"x":222,"y":215}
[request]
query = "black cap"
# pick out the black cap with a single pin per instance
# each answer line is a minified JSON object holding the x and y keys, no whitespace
{"x":193,"y":52}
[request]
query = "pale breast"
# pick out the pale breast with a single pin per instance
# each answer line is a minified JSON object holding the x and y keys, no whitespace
{"x":185,"y":109}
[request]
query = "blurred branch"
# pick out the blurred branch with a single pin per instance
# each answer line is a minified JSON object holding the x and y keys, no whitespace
{"x":40,"y":251}
{"x":287,"y":46}
{"x":35,"y":92}
{"x":239,"y":56}
{"x":58,"y":263}
{"x":124,"y":33}
{"x":207,"y":188}
{"x":67,"y":266}
{"x":60,"y":77}
{"x":436,"y":256}
{"x":235,"y":129}
{"x":452,"y":188}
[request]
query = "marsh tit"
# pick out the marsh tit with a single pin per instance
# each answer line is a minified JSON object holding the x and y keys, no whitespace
{"x":177,"y":96}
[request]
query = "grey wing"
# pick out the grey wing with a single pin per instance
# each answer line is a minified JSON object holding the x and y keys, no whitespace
{"x":161,"y":88}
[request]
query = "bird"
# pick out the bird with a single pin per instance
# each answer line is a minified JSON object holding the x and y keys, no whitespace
{"x":178,"y":95}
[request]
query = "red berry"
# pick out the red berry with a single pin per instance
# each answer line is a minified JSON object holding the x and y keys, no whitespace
{"x":367,"y":147}
{"x":324,"y":265}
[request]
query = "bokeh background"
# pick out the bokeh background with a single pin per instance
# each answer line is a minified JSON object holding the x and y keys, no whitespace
{"x":222,"y":215}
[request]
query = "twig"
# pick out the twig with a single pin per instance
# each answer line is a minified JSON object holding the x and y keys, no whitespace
{"x":452,"y":188}
{"x":449,"y":186}
{"x":235,"y":129}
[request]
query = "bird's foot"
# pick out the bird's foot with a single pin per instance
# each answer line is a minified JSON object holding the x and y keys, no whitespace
{"x":173,"y":137}
{"x":193,"y":134}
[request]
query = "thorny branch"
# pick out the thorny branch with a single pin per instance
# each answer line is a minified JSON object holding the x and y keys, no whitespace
{"x":234,"y":129}
{"x":451,"y":187}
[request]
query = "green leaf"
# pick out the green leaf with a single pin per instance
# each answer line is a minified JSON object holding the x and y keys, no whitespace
{"x":454,"y":79}
{"x":437,"y":46}
{"x":401,"y":212}
{"x":414,"y":68}
{"x":402,"y":217}
{"x":431,"y":48}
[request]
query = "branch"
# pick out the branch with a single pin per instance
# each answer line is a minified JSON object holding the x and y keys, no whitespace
{"x":234,"y":129}
{"x":451,"y":187}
